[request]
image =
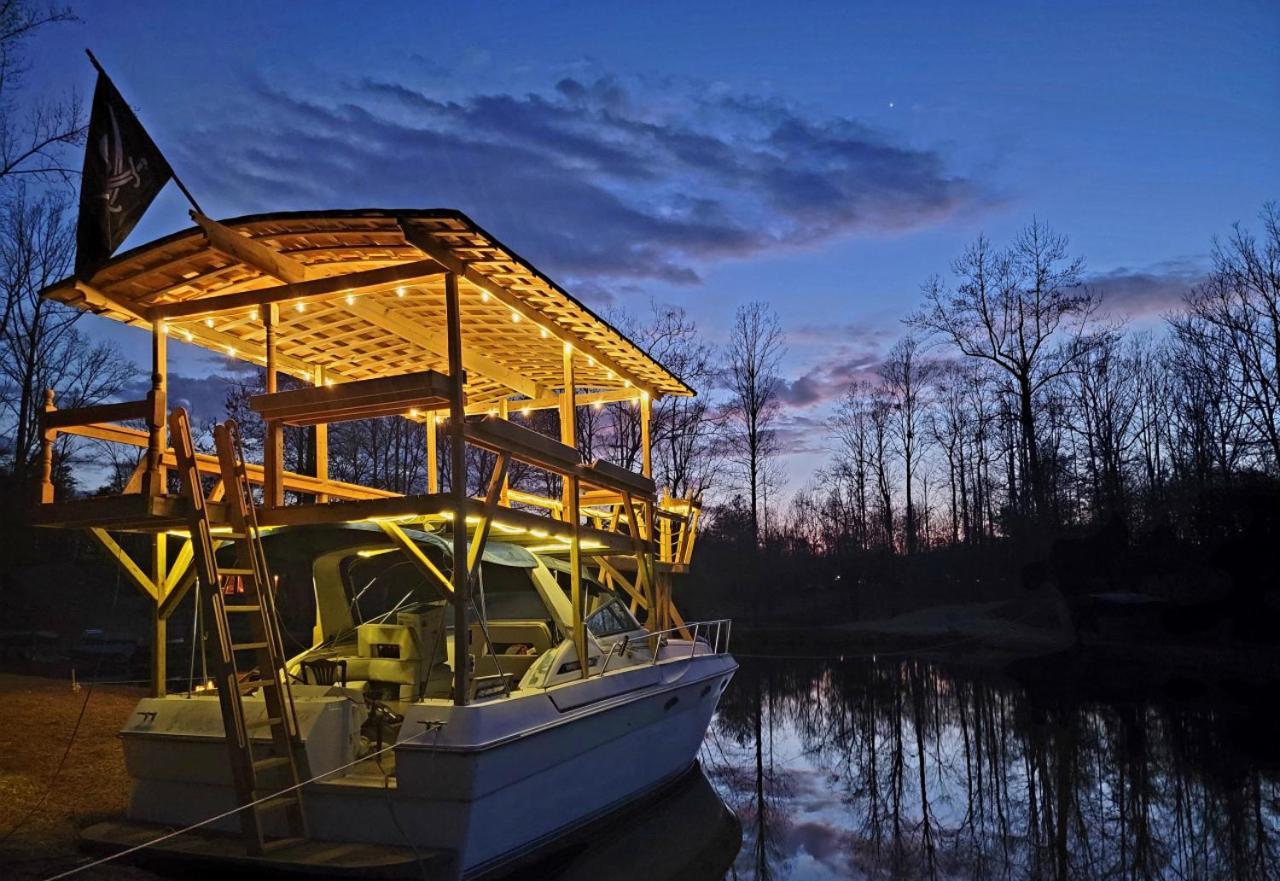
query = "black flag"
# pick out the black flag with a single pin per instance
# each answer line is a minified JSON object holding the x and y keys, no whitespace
{"x":123,"y":171}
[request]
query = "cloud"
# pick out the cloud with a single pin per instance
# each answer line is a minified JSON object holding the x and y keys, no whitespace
{"x":1146,"y":293}
{"x":597,"y":179}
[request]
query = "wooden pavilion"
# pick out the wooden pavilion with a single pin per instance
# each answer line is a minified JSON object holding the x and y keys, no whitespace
{"x":415,"y":314}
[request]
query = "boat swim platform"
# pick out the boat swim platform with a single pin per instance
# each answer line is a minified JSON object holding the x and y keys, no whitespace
{"x":304,"y":857}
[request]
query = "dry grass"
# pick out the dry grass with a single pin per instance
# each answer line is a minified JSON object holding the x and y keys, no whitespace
{"x":37,"y":717}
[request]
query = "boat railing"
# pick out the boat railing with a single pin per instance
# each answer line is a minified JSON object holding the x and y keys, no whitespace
{"x":713,"y":635}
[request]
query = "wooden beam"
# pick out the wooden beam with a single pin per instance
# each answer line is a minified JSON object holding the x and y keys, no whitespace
{"x":577,"y":595}
{"x":136,"y":576}
{"x":87,"y":297}
{"x":247,"y":250}
{"x":622,"y":581}
{"x":569,"y":421}
{"x":159,"y":624}
{"x":332,"y":287}
{"x":552,"y":402}
{"x":491,"y":498}
{"x":417,"y":557}
{"x":428,"y":244}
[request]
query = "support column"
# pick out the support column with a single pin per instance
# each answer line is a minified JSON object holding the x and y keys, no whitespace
{"x":321,"y":440}
{"x":568,"y":416}
{"x":433,"y":456}
{"x":458,"y":489}
{"x":159,"y":625}
{"x":273,"y":446}
{"x":153,"y":481}
{"x":504,"y":412}
{"x":646,"y":443}
{"x":576,"y":594}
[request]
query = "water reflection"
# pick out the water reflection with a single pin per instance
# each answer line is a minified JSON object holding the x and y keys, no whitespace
{"x":910,"y":770}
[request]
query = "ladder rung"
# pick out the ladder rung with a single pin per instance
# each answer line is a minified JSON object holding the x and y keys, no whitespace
{"x":268,"y":764}
{"x":263,"y":723}
{"x":273,"y":804}
{"x":233,"y":571}
{"x":243,"y":608}
{"x":246,"y":646}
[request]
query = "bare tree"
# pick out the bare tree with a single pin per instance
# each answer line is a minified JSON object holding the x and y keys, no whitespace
{"x":755,"y":351}
{"x":1023,"y":310}
{"x":40,"y":347}
{"x":32,"y":133}
{"x":906,"y":376}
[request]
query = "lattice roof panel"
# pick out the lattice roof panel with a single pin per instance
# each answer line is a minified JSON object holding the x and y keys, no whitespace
{"x":337,"y":333}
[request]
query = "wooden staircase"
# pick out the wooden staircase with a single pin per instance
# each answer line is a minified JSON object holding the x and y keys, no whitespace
{"x":264,"y":773}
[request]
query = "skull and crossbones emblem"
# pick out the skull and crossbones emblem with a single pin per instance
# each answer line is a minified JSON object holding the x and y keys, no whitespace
{"x":122,"y":170}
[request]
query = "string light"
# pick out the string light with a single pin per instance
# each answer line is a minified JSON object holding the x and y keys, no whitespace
{"x":253,"y":314}
{"x":164,"y":329}
{"x":231,"y":350}
{"x":591,"y":361}
{"x":301,"y":306}
{"x":524,"y":411}
{"x":400,"y":292}
{"x":597,"y":405}
{"x":351,"y":298}
{"x":515,"y":317}
{"x":484,"y":296}
{"x":568,"y":348}
{"x":208,"y":322}
{"x":413,"y":412}
{"x":187,"y":334}
{"x":542,"y":332}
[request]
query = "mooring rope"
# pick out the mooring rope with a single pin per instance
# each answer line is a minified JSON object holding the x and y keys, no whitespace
{"x":205,"y":822}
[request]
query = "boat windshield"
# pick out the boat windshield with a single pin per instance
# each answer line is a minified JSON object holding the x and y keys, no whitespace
{"x":379,"y":586}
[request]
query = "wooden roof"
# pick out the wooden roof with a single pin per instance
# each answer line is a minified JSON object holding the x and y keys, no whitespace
{"x":361,"y":294}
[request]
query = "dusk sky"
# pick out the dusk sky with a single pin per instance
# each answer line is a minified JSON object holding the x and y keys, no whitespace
{"x":827,"y":158}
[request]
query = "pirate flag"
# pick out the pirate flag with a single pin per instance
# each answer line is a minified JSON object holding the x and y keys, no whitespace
{"x":123,"y":171}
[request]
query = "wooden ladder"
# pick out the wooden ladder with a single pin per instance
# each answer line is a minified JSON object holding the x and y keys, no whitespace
{"x":258,"y":769}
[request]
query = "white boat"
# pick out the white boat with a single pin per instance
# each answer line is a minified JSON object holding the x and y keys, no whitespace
{"x":544,"y":752}
{"x":459,"y":718}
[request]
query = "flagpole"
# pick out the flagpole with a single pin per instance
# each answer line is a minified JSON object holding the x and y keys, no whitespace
{"x":173,"y":174}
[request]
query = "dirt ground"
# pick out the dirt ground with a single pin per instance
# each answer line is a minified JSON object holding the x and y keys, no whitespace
{"x":40,"y":816}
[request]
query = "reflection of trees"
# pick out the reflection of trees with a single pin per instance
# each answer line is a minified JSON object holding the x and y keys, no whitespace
{"x":965,"y":776}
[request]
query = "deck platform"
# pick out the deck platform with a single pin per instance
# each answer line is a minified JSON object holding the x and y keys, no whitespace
{"x":311,"y":858}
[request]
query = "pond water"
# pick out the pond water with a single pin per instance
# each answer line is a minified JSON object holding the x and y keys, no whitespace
{"x":908,"y":769}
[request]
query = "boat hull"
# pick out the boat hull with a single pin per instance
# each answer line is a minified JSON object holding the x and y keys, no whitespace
{"x":488,"y":781}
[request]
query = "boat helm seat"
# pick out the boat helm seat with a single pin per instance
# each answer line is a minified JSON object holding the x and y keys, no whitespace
{"x":405,"y":659}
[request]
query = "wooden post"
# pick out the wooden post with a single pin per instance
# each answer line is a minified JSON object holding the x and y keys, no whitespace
{"x":321,"y":440}
{"x":568,"y":417}
{"x":159,"y":624}
{"x":576,"y":597}
{"x":153,"y":480}
{"x":458,"y":488}
{"x":433,"y":456}
{"x":273,"y":447}
{"x":47,"y":438}
{"x":503,"y":495}
{"x":646,"y":444}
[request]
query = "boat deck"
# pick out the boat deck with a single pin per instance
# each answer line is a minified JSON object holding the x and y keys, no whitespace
{"x":310,"y":857}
